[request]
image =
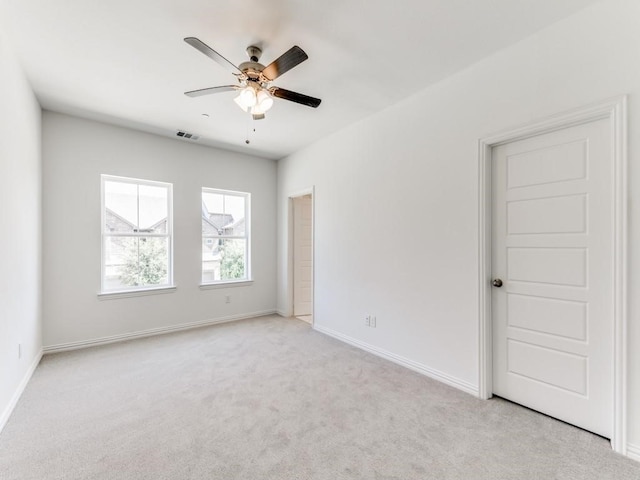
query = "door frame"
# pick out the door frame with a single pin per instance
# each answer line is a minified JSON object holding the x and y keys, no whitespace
{"x":290,"y":248}
{"x":615,"y":111}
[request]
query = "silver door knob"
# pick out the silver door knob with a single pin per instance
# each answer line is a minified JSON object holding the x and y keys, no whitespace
{"x":496,"y":282}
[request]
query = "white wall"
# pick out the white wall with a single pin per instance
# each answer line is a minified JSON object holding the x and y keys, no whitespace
{"x":396,"y":194}
{"x":75,"y":153}
{"x":20,"y":253}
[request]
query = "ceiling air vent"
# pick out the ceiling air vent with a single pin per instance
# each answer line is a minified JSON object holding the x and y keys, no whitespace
{"x":190,"y":136}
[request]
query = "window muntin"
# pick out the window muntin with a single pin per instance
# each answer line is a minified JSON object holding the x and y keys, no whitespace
{"x":136,"y":234}
{"x":225,"y":236}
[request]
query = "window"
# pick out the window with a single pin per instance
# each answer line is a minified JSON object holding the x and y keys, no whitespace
{"x":225,"y":236}
{"x":136,"y":234}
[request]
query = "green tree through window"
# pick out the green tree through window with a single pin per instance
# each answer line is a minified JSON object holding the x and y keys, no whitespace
{"x":145,"y":262}
{"x":232,"y":261}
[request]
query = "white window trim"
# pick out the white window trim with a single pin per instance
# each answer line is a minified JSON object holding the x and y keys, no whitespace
{"x":136,"y":290}
{"x":136,"y":293}
{"x":226,"y":284}
{"x":247,"y":280}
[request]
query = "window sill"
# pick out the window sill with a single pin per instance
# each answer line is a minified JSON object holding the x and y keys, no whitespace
{"x":239,"y":283}
{"x":136,"y":293}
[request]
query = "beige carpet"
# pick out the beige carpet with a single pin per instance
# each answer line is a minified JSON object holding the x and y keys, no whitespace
{"x":268,"y":399}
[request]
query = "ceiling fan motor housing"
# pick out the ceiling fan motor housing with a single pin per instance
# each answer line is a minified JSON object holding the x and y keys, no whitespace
{"x":251,"y":69}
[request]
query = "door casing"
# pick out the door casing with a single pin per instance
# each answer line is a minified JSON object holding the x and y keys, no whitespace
{"x":614,"y":110}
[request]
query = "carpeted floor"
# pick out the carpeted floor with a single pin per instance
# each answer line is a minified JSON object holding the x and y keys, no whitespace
{"x":270,"y":398}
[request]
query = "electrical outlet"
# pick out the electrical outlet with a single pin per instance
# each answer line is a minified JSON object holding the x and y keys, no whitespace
{"x":227,"y":299}
{"x":367,"y":320}
{"x":372,"y":321}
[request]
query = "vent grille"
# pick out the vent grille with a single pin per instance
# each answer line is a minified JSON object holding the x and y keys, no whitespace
{"x":186,"y":135}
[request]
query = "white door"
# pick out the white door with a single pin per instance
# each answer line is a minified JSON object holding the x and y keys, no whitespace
{"x":552,"y":247}
{"x":302,"y":256}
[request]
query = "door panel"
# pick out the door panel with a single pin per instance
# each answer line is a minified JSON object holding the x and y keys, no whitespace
{"x":566,"y":371}
{"x":529,"y":216}
{"x":552,"y":246}
{"x":557,"y":266}
{"x":538,"y":314}
{"x":548,"y":164}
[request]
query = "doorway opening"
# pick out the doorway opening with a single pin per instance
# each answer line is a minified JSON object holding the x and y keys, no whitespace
{"x":301,"y":256}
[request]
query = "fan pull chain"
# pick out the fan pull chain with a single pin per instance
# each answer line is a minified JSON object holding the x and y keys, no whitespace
{"x":250,"y":128}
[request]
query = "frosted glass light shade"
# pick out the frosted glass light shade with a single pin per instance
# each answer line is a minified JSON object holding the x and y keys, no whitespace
{"x":241,"y":104}
{"x":264,"y":100}
{"x":246,"y":98}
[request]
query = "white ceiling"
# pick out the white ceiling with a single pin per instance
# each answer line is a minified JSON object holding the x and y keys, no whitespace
{"x":125,"y":61}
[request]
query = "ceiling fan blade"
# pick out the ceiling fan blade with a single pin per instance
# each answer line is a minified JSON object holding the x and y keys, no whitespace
{"x":295,"y":97}
{"x":212,"y":54}
{"x":289,"y":59}
{"x":210,"y":90}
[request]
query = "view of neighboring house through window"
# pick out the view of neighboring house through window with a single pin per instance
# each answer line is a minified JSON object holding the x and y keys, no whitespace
{"x":225,"y":236}
{"x":136,"y":234}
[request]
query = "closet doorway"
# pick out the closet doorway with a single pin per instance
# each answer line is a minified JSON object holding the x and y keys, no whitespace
{"x":302,"y":256}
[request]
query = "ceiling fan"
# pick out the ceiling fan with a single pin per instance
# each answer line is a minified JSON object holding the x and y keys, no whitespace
{"x":255,"y":95}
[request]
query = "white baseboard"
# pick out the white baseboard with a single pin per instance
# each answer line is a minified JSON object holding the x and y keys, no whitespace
{"x":18,"y":393}
{"x":282,"y":313}
{"x":62,"y":347}
{"x":633,"y":451}
{"x":405,"y":362}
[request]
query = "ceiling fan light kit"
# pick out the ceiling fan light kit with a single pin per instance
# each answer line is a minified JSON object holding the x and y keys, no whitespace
{"x":254,"y":100}
{"x":255,"y":95}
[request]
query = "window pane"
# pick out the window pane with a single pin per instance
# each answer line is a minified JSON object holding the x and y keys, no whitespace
{"x":153,"y":209}
{"x":210,"y":259}
{"x":232,"y":259}
{"x":234,"y":206}
{"x":223,"y":214}
{"x":135,"y":261}
{"x":117,"y":253}
{"x":214,"y":218}
{"x":121,"y":207}
{"x":223,"y":259}
{"x":214,"y":202}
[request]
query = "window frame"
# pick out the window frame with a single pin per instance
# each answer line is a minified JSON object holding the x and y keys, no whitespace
{"x":169,"y":286}
{"x":247,"y":279}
